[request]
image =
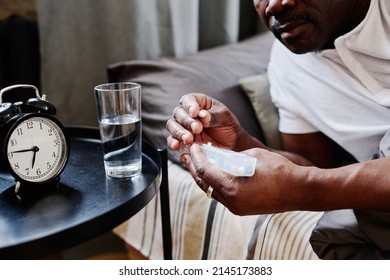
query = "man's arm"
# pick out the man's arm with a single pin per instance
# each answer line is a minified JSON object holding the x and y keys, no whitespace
{"x":326,"y":186}
{"x":363,"y":185}
{"x":317,"y":148}
{"x":302,"y":149}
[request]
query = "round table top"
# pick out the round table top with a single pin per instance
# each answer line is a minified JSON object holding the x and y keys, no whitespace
{"x":85,"y":204}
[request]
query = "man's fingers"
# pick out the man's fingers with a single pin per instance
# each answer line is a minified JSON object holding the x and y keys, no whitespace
{"x":179,"y":133}
{"x":188,"y":122}
{"x":204,"y":169}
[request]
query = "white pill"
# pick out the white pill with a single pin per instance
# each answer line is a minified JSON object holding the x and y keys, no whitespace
{"x":202,"y":113}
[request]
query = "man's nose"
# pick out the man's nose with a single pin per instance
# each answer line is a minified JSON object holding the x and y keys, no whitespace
{"x":275,"y":7}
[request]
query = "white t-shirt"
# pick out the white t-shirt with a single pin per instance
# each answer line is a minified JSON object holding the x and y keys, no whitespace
{"x":343,"y":92}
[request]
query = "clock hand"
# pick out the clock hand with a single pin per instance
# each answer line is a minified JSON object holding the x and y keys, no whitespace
{"x":24,"y":150}
{"x":35,"y":150}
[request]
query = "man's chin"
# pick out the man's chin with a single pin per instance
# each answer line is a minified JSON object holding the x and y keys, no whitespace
{"x":300,"y":42}
{"x":300,"y":46}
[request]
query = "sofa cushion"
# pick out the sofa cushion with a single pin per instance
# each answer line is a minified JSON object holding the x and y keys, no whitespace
{"x":202,"y":228}
{"x":215,"y":72}
{"x":352,"y":234}
{"x":257,"y":88}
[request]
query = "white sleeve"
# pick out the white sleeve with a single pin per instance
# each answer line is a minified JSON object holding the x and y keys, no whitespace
{"x":292,"y":124}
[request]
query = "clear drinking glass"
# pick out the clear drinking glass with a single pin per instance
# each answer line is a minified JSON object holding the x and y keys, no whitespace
{"x":119,"y":115}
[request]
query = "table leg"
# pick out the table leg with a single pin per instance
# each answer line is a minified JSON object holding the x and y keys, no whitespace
{"x":165,"y":208}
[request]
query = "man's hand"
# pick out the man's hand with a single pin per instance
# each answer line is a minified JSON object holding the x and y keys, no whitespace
{"x":200,"y":118}
{"x":275,"y":186}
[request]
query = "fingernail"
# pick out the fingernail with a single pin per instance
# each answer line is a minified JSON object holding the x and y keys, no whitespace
{"x":183,"y":158}
{"x":194,"y":126}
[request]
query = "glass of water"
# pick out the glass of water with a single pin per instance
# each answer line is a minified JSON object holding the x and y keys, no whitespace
{"x":119,"y":115}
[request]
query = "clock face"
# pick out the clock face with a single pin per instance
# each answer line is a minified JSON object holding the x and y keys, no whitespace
{"x":37,"y":149}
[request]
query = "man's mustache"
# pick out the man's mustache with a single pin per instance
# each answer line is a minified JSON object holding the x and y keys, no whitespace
{"x":280,"y":22}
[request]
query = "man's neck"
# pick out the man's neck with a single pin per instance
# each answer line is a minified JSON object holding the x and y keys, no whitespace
{"x":358,"y":14}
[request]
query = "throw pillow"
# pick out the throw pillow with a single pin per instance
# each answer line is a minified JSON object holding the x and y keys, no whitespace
{"x":257,"y":89}
{"x":214,"y":72}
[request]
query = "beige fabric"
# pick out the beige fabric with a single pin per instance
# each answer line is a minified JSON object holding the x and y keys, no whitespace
{"x":257,"y":89}
{"x":225,"y":236}
{"x":288,"y":236}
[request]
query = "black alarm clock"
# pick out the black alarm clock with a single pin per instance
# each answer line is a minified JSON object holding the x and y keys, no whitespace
{"x":33,"y":143}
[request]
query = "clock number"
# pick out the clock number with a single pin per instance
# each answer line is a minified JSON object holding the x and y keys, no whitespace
{"x":40,"y":126}
{"x":27,"y":171}
{"x":10,"y":155}
{"x":19,"y":131}
{"x":50,"y":132}
{"x":16,"y":166}
{"x":48,"y":166}
{"x":38,"y":171}
{"x":30,"y":125}
{"x":54,"y":154}
{"x":56,"y":142}
{"x":13,"y":142}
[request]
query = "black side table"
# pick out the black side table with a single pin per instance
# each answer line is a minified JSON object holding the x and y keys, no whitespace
{"x":85,"y":204}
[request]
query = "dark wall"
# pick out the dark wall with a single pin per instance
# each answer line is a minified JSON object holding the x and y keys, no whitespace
{"x":19,"y":52}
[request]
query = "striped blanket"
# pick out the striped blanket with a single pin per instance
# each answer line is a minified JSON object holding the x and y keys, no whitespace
{"x":204,"y":229}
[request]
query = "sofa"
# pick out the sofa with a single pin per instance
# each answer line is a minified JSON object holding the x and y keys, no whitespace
{"x":235,"y":74}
